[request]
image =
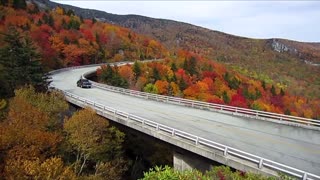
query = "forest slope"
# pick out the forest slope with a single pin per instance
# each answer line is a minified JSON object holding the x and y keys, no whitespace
{"x":289,"y":64}
{"x":64,"y":39}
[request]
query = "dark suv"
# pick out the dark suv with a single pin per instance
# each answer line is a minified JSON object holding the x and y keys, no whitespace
{"x":84,"y":83}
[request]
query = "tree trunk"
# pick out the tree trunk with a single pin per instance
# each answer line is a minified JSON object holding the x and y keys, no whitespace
{"x":84,"y":162}
{"x":97,"y":168}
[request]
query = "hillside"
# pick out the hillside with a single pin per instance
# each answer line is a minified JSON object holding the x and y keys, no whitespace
{"x":287,"y":64}
{"x":56,"y":39}
{"x":191,"y":76}
{"x":63,"y":39}
{"x":68,"y":40}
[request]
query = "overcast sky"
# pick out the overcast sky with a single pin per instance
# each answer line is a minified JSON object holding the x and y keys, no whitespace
{"x":296,"y":20}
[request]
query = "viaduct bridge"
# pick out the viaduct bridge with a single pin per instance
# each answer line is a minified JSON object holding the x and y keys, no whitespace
{"x":244,"y":139}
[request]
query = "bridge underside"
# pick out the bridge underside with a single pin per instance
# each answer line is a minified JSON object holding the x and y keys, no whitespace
{"x":183,"y":160}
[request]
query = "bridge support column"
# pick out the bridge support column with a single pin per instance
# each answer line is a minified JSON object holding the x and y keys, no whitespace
{"x":186,"y":160}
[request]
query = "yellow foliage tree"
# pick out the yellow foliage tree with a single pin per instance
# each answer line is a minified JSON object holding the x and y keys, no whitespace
{"x":162,"y":87}
{"x":90,"y":137}
{"x":52,"y":168}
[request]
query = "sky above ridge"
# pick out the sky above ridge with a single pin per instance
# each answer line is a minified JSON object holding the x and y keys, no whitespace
{"x":295,"y":20}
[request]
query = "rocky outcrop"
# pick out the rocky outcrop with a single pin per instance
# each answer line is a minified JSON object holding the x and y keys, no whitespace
{"x":276,"y":45}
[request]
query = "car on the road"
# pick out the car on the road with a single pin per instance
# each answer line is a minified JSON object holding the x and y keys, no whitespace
{"x":84,"y":83}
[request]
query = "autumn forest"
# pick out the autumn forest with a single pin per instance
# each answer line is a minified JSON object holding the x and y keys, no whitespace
{"x":42,"y":139}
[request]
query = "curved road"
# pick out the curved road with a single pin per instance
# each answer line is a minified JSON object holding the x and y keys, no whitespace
{"x":294,"y":146}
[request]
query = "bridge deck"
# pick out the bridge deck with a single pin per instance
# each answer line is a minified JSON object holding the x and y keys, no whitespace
{"x":294,"y":146}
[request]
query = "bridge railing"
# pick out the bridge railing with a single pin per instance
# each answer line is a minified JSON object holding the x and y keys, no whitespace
{"x":196,"y":140}
{"x":210,"y":106}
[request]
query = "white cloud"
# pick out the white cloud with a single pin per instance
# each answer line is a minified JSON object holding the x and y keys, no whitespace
{"x":297,"y":20}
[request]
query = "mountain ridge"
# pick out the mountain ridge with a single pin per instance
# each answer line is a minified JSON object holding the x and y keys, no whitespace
{"x":289,"y":63}
{"x":93,"y":13}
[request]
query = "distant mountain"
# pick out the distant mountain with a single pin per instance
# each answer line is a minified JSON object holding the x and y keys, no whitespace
{"x":289,"y":63}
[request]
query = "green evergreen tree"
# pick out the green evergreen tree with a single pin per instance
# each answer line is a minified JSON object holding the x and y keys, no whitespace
{"x":251,"y":96}
{"x":64,"y":24}
{"x":174,"y":67}
{"x":192,"y":66}
{"x":21,"y":63}
{"x":81,"y":19}
{"x":282,"y":93}
{"x":185,"y":65}
{"x":3,"y":2}
{"x":66,"y":40}
{"x":136,"y":69}
{"x":225,"y":97}
{"x":5,"y":87}
{"x":142,"y":56}
{"x":19,"y":4}
{"x":35,"y":10}
{"x":170,"y":90}
{"x":45,"y":18}
{"x":263,"y":84}
{"x":287,"y":112}
{"x":74,"y":24}
{"x":182,"y":84}
{"x":107,"y":74}
{"x":50,"y":21}
{"x":97,"y":38}
{"x":94,"y":20}
{"x":258,"y":94}
{"x":118,"y":81}
{"x":233,"y":82}
{"x":273,"y":90}
{"x":226,"y":77}
{"x":189,"y":65}
{"x":39,"y":23}
{"x":156,"y":74}
{"x":70,"y":13}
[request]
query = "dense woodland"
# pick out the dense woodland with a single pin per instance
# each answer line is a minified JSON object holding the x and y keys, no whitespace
{"x":191,"y":76}
{"x":35,"y":144}
{"x":41,"y":139}
{"x":61,"y":39}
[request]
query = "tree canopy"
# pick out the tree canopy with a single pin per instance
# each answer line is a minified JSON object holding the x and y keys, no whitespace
{"x":20,"y":64}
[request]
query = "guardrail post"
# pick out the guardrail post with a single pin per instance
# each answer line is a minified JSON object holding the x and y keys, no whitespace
{"x":197,"y":140}
{"x":157,"y":128}
{"x":143,"y":122}
{"x":173,"y":132}
{"x":225,"y":153}
{"x":167,"y":98}
{"x":260,"y":163}
{"x":192,"y":104}
{"x":305,"y":176}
